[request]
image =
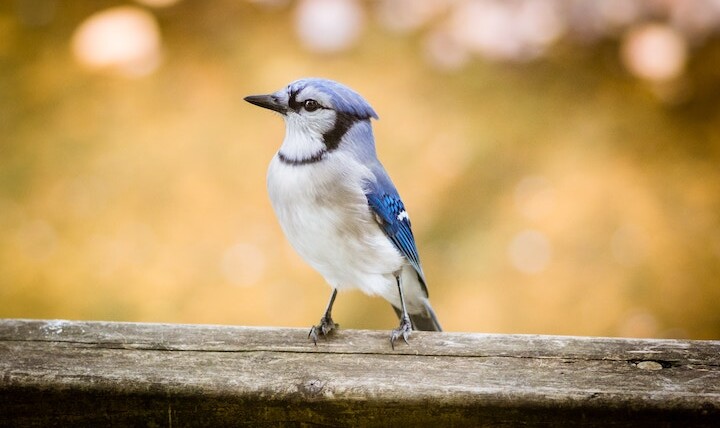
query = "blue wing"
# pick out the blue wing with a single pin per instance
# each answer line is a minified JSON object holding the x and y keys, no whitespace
{"x":390,"y":213}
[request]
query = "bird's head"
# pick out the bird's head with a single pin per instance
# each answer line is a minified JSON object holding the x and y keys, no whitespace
{"x":316,"y":111}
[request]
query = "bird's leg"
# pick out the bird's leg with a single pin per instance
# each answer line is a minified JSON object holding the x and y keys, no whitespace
{"x":405,"y":324}
{"x":326,"y":323}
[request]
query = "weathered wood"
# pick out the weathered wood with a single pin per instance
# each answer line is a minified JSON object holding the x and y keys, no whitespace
{"x":98,"y":373}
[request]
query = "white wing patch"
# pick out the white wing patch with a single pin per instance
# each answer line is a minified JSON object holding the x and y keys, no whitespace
{"x":403,"y":216}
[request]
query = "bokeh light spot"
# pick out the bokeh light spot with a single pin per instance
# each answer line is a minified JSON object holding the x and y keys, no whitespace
{"x":654,"y":52}
{"x":123,"y":39}
{"x":530,"y":252}
{"x":329,"y":26}
{"x":444,"y":52}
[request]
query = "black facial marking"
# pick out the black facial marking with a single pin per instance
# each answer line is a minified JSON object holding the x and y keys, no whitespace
{"x":343,"y":122}
{"x":293,"y":103}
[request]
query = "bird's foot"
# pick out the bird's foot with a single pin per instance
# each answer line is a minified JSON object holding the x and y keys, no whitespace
{"x":325,"y":327}
{"x":402,"y":331}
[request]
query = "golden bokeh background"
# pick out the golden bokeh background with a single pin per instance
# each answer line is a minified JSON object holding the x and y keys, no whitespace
{"x":559,"y":159}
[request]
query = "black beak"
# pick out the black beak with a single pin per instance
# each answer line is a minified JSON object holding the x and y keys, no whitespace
{"x":266,"y":101}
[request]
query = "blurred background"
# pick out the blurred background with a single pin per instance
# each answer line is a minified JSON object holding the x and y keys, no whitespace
{"x":559,"y":158}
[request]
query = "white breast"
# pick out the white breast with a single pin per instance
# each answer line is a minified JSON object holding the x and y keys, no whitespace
{"x":324,"y":213}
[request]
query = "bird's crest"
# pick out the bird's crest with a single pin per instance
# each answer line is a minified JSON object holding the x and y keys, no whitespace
{"x":344,"y":99}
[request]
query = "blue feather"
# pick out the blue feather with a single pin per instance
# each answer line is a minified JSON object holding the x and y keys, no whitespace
{"x":385,"y":202}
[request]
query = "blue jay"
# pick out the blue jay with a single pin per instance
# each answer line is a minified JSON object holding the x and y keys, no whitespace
{"x":338,"y":207}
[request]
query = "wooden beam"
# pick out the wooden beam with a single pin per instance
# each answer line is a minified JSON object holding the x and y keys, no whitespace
{"x":63,"y":373}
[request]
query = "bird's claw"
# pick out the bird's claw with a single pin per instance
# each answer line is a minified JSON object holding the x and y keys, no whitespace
{"x":402,"y":331}
{"x":325,"y":327}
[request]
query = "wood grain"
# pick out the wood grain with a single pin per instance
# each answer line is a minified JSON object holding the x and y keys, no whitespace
{"x":101,"y":373}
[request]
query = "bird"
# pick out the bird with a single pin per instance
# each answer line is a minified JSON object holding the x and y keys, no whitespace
{"x":337,"y":205}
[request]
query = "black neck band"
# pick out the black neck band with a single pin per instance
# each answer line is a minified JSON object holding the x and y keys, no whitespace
{"x":317,"y":157}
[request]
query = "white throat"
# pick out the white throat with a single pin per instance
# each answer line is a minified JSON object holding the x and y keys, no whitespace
{"x":303,"y":138}
{"x":299,"y":146}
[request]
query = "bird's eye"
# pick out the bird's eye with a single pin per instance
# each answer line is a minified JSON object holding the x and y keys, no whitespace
{"x":311,"y":105}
